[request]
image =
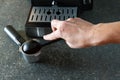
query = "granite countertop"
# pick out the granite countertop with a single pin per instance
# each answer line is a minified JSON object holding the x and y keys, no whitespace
{"x":58,"y":61}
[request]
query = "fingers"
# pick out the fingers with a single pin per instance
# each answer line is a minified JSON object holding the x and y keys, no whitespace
{"x":57,"y":27}
{"x":55,"y":24}
{"x":52,"y":36}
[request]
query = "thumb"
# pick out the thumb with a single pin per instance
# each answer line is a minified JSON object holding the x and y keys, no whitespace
{"x":52,"y":36}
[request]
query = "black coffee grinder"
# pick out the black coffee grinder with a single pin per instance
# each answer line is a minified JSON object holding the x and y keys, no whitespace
{"x":43,"y":11}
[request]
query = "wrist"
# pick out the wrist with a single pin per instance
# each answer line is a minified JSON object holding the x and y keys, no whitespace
{"x":100,"y":34}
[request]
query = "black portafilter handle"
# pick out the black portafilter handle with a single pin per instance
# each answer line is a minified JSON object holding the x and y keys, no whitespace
{"x":14,"y":35}
{"x":43,"y":42}
{"x":19,"y":40}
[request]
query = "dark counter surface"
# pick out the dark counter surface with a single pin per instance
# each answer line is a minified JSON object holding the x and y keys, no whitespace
{"x":58,"y":61}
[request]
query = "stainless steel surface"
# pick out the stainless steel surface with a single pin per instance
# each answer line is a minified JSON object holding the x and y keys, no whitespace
{"x":46,"y":14}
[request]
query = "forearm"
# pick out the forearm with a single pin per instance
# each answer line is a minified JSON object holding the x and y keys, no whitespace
{"x":105,"y":33}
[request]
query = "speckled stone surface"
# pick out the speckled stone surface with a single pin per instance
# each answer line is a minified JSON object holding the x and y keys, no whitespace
{"x":58,"y":61}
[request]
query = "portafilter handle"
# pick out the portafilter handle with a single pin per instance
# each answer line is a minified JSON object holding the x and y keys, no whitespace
{"x":14,"y":35}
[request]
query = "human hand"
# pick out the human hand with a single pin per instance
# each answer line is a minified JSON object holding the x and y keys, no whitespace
{"x":75,"y":31}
